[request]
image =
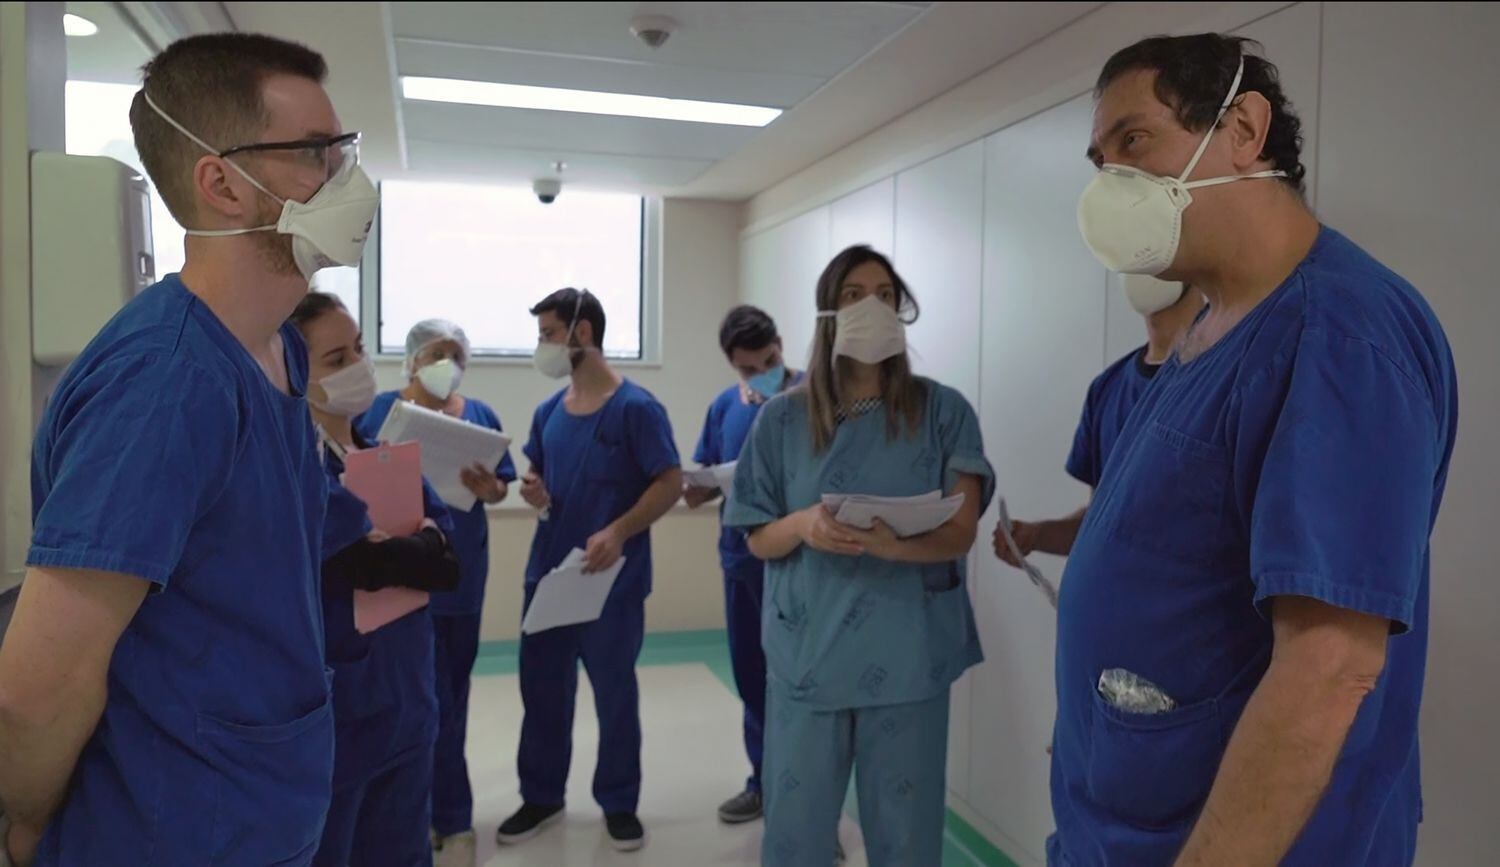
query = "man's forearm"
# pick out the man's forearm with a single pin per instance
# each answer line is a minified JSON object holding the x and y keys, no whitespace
{"x":1278,"y":764}
{"x":1057,"y":536}
{"x":39,"y":752}
{"x":658,"y":499}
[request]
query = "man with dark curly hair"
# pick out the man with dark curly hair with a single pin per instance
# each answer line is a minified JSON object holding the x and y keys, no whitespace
{"x":1242,"y":631}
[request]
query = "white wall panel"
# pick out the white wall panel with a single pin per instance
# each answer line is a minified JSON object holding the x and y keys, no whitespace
{"x":1043,"y":333}
{"x":864,"y":217}
{"x":1407,"y":171}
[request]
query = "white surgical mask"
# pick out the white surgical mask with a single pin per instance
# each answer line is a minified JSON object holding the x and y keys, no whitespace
{"x":555,"y":360}
{"x":868,"y":330}
{"x":349,"y":390}
{"x":441,"y":378}
{"x":327,"y":230}
{"x":1149,"y":295}
{"x":1132,"y":220}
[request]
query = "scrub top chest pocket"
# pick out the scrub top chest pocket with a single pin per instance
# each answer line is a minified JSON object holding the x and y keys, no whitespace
{"x":1169,"y":479}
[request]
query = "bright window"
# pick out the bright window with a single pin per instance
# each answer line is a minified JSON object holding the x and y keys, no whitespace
{"x":482,"y":256}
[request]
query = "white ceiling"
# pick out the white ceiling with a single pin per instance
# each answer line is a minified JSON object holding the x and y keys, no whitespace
{"x":841,"y":70}
{"x":115,"y":54}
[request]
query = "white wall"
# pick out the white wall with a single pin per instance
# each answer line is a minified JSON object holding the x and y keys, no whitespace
{"x":1406,"y":171}
{"x":699,"y":268}
{"x":32,"y":73}
{"x":986,"y":235}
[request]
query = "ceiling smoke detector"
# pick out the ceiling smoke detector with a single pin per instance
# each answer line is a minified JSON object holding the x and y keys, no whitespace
{"x":654,"y":30}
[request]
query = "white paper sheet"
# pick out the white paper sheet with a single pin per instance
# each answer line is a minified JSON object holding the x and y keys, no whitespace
{"x":720,"y":476}
{"x":449,"y":446}
{"x":907,"y":516}
{"x":567,"y":595}
{"x":1037,"y":578}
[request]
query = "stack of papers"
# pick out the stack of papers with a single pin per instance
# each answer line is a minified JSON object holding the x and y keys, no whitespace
{"x":567,"y":595}
{"x":449,"y":446}
{"x":907,"y":516}
{"x":720,"y":477}
{"x":1035,"y":574}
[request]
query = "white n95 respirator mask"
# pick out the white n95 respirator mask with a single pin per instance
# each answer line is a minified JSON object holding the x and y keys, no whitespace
{"x":327,"y":230}
{"x":1148,"y":295}
{"x":441,"y":378}
{"x":1132,"y":220}
{"x":868,"y":330}
{"x":350,"y":390}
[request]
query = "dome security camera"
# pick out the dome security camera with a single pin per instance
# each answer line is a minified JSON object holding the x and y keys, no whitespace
{"x":547,"y":190}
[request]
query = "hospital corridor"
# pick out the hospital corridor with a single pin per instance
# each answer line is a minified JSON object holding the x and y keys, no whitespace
{"x":880,"y":433}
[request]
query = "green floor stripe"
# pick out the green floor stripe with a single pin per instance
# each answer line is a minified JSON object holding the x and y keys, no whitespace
{"x":976,"y":843}
{"x":963,"y":846}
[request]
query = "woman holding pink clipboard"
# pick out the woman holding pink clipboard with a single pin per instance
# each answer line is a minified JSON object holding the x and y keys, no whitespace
{"x":384,"y":703}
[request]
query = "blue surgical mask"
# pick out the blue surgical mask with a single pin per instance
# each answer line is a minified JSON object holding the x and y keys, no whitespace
{"x":768,"y":384}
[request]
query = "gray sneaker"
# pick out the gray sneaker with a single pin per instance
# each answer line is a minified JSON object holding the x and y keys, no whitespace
{"x":744,"y":807}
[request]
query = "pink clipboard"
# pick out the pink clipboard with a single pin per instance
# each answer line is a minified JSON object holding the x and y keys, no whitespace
{"x":389,"y":480}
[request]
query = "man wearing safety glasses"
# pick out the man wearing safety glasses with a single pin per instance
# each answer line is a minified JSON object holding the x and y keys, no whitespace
{"x":162,"y":689}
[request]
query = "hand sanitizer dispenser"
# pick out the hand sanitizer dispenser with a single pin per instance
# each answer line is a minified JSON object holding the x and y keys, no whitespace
{"x":90,"y":249}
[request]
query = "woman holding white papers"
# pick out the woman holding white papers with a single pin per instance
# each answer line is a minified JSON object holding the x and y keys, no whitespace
{"x":437,"y":354}
{"x":384,"y":705}
{"x":864,"y":631}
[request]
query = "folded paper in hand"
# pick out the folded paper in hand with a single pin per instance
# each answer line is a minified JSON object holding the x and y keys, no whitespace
{"x":568,"y":595}
{"x":1035,"y":574}
{"x":720,"y":476}
{"x":449,"y":446}
{"x":907,"y":516}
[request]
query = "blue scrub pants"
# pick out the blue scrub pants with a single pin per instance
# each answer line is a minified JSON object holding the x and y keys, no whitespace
{"x":899,"y":753}
{"x":456,"y":646}
{"x":742,"y":605}
{"x":608,"y":648}
{"x":383,"y":823}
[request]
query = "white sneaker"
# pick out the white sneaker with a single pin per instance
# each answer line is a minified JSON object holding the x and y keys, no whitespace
{"x":456,"y":851}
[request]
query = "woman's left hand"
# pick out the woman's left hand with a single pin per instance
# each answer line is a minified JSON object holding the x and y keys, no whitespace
{"x":878,"y":541}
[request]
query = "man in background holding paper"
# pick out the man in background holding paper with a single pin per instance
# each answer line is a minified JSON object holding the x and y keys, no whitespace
{"x":1169,"y":309}
{"x":604,"y":468}
{"x":437,"y":353}
{"x":750,"y":341}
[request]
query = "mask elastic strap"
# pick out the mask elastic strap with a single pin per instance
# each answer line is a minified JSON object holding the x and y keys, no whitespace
{"x":577,"y":309}
{"x":205,"y":145}
{"x":1203,"y":145}
{"x":1214,"y":182}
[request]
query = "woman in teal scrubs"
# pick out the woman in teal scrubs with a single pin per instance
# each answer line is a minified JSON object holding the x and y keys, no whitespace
{"x":864,"y":632}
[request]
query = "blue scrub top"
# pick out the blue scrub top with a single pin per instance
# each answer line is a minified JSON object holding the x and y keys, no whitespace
{"x":384,"y":697}
{"x":845,"y":632}
{"x":165,"y":453}
{"x":596,"y":468}
{"x":471,"y":528}
{"x":1302,"y":455}
{"x":1112,"y":395}
{"x":724,"y":433}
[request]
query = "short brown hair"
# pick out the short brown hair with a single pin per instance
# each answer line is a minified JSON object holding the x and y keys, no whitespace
{"x":211,"y":85}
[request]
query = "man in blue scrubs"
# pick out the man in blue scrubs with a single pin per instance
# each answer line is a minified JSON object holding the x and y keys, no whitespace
{"x":1242,"y":633}
{"x":749,"y":340}
{"x":163,"y":697}
{"x":604,"y":468}
{"x":437,"y":354}
{"x":1169,"y":308}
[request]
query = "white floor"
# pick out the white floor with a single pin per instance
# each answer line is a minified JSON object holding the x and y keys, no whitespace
{"x":693,"y":758}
